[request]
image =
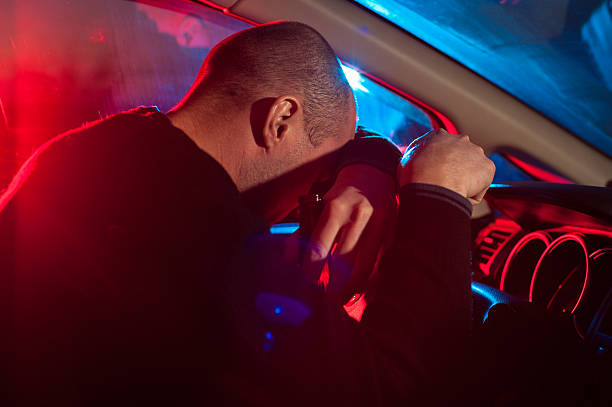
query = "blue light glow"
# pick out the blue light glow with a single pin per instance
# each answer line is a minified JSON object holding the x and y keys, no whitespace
{"x":280,"y":309}
{"x":376,"y":7}
{"x":354,"y":79}
{"x":384,"y":112}
{"x":284,"y":228}
{"x":268,"y":341}
{"x":506,"y":171}
{"x":490,"y":295}
{"x":542,"y":52}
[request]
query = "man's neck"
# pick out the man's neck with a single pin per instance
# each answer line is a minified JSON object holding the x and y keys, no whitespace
{"x":208,"y":134}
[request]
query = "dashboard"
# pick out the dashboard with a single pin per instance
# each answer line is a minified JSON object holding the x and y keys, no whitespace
{"x":542,"y":271}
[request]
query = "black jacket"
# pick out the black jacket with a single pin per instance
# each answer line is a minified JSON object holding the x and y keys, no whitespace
{"x":131,"y":272}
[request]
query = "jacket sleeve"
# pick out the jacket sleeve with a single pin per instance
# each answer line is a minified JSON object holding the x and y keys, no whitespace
{"x":371,"y":149}
{"x":419,"y":319}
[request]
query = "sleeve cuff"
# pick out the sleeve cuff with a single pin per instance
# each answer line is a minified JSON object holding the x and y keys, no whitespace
{"x":437,"y":192}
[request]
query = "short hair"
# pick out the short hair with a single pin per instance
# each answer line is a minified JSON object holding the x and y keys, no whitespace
{"x":286,"y":57}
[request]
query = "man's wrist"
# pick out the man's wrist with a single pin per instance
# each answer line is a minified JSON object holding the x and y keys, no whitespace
{"x":437,"y":192}
{"x":372,"y":150}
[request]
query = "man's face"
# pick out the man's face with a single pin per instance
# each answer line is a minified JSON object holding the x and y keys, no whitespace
{"x":300,"y":167}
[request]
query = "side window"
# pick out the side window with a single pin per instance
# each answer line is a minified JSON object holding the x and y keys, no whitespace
{"x":384,"y":112}
{"x":505,"y":171}
{"x":65,"y":63}
{"x":519,"y":167}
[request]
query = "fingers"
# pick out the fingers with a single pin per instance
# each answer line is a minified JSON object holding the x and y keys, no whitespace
{"x":478,"y":198}
{"x":487,"y":174}
{"x":358,"y":221}
{"x":450,"y":161}
{"x":345,"y":254}
{"x":370,"y":246}
{"x":322,"y":239}
{"x":360,"y":194}
{"x":341,"y":224}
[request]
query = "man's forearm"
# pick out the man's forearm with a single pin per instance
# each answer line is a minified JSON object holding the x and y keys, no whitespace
{"x":373,"y":150}
{"x":419,"y":318}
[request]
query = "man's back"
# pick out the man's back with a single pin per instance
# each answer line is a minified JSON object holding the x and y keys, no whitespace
{"x":133,"y":273}
{"x":113,"y":252}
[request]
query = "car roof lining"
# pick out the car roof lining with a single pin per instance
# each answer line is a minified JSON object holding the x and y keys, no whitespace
{"x":475,"y":105}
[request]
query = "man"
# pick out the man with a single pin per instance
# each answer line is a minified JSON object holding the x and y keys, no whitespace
{"x":131,"y":259}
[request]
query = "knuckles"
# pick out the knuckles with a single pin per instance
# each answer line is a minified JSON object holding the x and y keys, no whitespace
{"x":449,"y":160}
{"x":492,"y":167}
{"x":337,"y":206}
{"x":364,"y":210}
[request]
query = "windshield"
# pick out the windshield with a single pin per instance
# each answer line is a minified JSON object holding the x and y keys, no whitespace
{"x":554,"y":55}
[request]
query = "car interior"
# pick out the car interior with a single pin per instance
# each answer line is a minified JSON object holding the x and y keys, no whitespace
{"x":529,"y":80}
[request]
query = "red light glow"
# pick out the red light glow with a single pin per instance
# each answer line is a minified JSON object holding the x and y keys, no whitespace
{"x":579,"y":229}
{"x":3,"y":113}
{"x":598,"y":253}
{"x":544,"y":237}
{"x":22,"y":175}
{"x":356,"y":306}
{"x":501,"y":224}
{"x":324,"y":276}
{"x":537,"y":172}
{"x":549,"y":249}
{"x":97,"y":36}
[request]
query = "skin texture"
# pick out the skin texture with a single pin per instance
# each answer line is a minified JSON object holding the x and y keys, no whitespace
{"x":360,"y":217}
{"x":449,"y":161}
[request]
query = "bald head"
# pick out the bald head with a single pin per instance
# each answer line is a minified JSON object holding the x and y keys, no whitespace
{"x":272,"y":106}
{"x":280,"y":58}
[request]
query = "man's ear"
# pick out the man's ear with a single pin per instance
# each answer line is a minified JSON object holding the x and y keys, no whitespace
{"x":283,"y":116}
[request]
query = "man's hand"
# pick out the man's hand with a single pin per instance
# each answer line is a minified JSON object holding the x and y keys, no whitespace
{"x":450,"y":161}
{"x":359,"y":216}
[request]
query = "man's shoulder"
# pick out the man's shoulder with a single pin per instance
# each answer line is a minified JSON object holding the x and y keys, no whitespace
{"x":135,"y":158}
{"x":137,"y":129}
{"x":137,"y":143}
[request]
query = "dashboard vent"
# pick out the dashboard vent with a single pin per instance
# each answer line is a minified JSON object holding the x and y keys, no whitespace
{"x":489,"y":242}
